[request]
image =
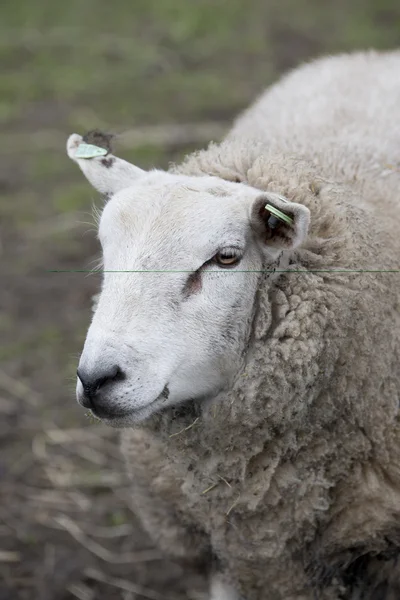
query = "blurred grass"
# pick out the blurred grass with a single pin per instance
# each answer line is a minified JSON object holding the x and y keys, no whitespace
{"x":120,"y":66}
{"x":149,"y":61}
{"x":80,"y":65}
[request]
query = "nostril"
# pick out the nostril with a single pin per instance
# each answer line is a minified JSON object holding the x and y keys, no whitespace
{"x":118,"y":374}
{"x":114,"y":375}
{"x":92,"y":381}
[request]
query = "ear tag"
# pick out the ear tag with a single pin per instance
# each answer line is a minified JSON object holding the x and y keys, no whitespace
{"x":277,"y":215}
{"x":90,"y":151}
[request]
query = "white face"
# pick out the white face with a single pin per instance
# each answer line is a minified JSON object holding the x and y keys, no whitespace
{"x":182,"y":258}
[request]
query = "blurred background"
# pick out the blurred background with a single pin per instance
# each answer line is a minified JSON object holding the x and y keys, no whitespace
{"x":167,"y":76}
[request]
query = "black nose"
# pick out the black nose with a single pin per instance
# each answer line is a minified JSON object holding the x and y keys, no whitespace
{"x":92,"y":381}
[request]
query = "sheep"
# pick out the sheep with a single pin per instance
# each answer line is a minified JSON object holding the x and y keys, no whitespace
{"x":254,"y":367}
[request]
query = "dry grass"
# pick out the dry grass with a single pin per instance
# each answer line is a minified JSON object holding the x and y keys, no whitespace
{"x":72,"y":484}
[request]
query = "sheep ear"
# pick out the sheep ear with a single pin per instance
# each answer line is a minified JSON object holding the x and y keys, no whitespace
{"x":107,"y":173}
{"x":280,"y":224}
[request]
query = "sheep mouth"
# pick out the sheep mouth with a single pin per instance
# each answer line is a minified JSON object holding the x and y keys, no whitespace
{"x":110,"y":414}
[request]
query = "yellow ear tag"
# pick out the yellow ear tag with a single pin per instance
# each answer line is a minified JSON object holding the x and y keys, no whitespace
{"x":89,"y":151}
{"x":277,"y":214}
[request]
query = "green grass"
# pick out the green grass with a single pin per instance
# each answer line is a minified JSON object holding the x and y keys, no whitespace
{"x":130,"y":62}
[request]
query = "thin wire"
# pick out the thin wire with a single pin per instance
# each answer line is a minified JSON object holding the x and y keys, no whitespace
{"x":227,"y":271}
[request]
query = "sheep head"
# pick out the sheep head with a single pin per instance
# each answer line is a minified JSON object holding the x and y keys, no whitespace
{"x":183,"y":258}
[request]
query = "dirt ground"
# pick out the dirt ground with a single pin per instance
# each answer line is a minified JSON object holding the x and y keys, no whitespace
{"x":167,"y":77}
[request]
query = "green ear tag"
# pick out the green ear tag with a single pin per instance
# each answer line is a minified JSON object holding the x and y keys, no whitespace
{"x":279,"y":215}
{"x":89,"y":151}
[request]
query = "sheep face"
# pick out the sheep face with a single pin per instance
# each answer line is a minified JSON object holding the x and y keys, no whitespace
{"x":182,"y":258}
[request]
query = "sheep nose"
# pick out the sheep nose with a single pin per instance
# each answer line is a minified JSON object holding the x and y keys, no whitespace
{"x":93,"y":381}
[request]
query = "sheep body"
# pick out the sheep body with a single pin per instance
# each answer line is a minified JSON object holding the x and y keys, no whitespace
{"x":290,"y":480}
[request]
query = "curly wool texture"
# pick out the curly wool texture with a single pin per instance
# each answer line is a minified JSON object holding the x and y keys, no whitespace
{"x":293,"y":474}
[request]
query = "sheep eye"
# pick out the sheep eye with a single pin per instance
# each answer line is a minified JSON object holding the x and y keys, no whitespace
{"x":227,"y":258}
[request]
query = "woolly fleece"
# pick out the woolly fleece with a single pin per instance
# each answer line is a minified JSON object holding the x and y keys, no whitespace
{"x":289,"y":482}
